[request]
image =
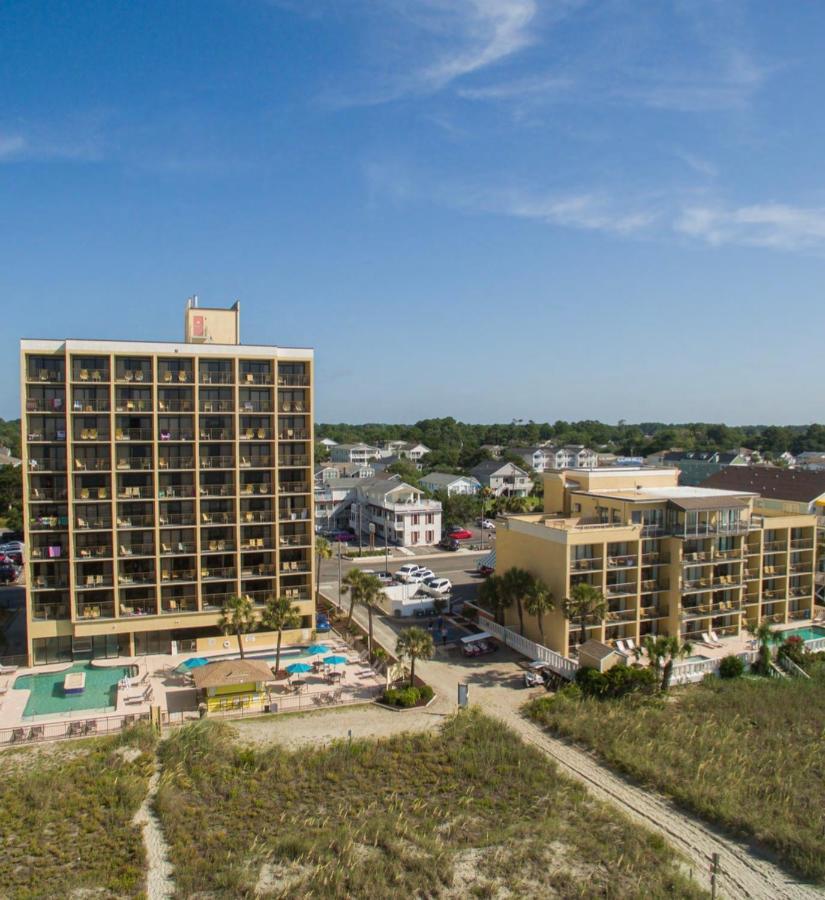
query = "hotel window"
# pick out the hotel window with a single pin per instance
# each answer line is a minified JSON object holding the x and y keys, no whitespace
{"x":429,"y":537}
{"x":414,"y":537}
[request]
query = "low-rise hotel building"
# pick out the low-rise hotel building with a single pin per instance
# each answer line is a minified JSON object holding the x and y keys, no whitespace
{"x":668,"y":559}
{"x":162,"y":478}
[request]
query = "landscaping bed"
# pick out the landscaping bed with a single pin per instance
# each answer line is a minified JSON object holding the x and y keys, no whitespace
{"x":66,"y":815}
{"x":745,"y":753}
{"x":468,"y":811}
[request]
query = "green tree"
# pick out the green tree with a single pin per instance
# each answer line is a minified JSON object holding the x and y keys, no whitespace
{"x":538,"y":601}
{"x":663,"y":650}
{"x":494,"y":597}
{"x":585,"y":602}
{"x":765,"y":636}
{"x":323,"y":550}
{"x":369,"y":594}
{"x":238,"y":618}
{"x":353,"y":586}
{"x":516,"y":584}
{"x":412,"y":644}
{"x":280,"y":615}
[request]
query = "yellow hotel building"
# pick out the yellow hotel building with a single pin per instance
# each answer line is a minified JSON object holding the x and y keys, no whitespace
{"x":668,"y":559}
{"x":162,"y":478}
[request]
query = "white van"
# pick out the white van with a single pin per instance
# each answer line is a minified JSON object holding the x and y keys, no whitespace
{"x":407,"y":571}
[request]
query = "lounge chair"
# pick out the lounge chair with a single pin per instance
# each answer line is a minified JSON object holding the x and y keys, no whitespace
{"x":708,"y":641}
{"x":715,"y":638}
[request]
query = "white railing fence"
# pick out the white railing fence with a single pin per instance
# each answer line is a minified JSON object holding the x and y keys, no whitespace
{"x":688,"y":672}
{"x":559,"y":664}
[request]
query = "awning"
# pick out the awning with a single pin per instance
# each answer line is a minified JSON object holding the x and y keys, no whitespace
{"x":481,"y":636}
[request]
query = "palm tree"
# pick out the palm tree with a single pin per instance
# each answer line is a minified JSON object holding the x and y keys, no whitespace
{"x":353,"y":581}
{"x":238,"y":617}
{"x":663,"y":651}
{"x":516,"y":583}
{"x":369,"y":595}
{"x":493,"y":595}
{"x":585,"y":601}
{"x":323,"y":550}
{"x":412,"y":644}
{"x":538,"y":601}
{"x":765,"y":636}
{"x":279,"y":615}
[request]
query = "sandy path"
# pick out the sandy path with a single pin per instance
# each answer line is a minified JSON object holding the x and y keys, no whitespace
{"x":493,"y":686}
{"x":159,"y":884}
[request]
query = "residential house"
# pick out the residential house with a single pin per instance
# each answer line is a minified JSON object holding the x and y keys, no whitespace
{"x":329,"y":443}
{"x":669,"y":559}
{"x":503,"y":478}
{"x":696,"y":466}
{"x":495,"y":450}
{"x":354,"y":453}
{"x":333,"y":498}
{"x":6,"y":459}
{"x":395,"y":512}
{"x":414,"y":452}
{"x":450,"y":484}
{"x":811,"y":459}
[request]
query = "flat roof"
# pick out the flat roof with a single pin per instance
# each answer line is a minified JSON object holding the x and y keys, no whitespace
{"x":80,"y":345}
{"x":676,"y":494}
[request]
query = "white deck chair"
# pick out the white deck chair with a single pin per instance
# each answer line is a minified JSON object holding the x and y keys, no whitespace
{"x":714,"y":637}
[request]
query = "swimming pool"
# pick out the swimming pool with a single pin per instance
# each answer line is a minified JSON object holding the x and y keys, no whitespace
{"x":48,"y":698}
{"x":807,"y":633}
{"x":697,"y":658}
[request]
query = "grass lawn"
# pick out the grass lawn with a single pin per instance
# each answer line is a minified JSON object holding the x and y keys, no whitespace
{"x":66,"y":817}
{"x":470,"y":811}
{"x":746,"y":753}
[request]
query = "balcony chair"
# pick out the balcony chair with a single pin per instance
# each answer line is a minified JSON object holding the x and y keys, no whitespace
{"x":139,"y":375}
{"x":182,"y":376}
{"x":84,"y":374}
{"x":167,"y":376}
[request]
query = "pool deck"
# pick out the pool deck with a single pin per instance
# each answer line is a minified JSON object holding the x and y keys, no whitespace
{"x":157,"y":683}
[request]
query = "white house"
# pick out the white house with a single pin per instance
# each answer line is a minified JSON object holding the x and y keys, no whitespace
{"x":397,"y":512}
{"x":354,"y":453}
{"x":329,"y":443}
{"x":403,"y":450}
{"x":503,"y":478}
{"x":450,"y":484}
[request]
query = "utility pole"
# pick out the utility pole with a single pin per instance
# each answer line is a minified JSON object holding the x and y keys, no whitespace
{"x":360,"y":532}
{"x":386,"y":541}
{"x":339,"y":573}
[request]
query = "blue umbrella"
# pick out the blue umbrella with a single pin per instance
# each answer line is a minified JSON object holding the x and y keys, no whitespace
{"x":335,"y":660}
{"x":315,"y":649}
{"x":194,"y":663}
{"x":297,"y":668}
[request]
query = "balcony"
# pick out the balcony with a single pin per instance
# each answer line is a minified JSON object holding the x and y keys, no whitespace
{"x":133,"y":464}
{"x":255,"y":434}
{"x":174,"y":373}
{"x":123,"y":405}
{"x":176,"y":462}
{"x":176,"y":435}
{"x":146,"y":548}
{"x":92,"y":523}
{"x":177,"y":406}
{"x":621,"y":615}
{"x":295,"y":406}
{"x":620,"y":590}
{"x":134,"y":374}
{"x":256,"y":377}
{"x":48,"y":552}
{"x":293,"y":380}
{"x":218,"y":518}
{"x":42,"y":405}
{"x":289,"y":460}
{"x":145,"y":492}
{"x":176,"y":491}
{"x":49,"y":611}
{"x":93,"y":493}
{"x":44,"y":495}
{"x":215,"y":602}
{"x":774,"y":547}
{"x":50,"y":582}
{"x":181,"y":574}
{"x":256,"y":487}
{"x":694,"y":612}
{"x":46,"y":375}
{"x":256,"y":406}
{"x":94,"y":374}
{"x":216,"y":434}
{"x":94,"y":551}
{"x":144,"y":577}
{"x":260,"y":598}
{"x":217,"y":546}
{"x":177,"y":548}
{"x":216,"y":406}
{"x":135,"y":521}
{"x":802,"y":544}
{"x":590,"y":564}
{"x":250,"y":516}
{"x":93,"y":582}
{"x":301,"y":434}
{"x":652,"y":586}
{"x":217,"y":490}
{"x":133,"y":434}
{"x":693,"y":559}
{"x":623,"y":561}
{"x":216,"y":377}
{"x":217,"y":462}
{"x":167,"y":519}
{"x":261,"y":570}
{"x":218,"y":573}
{"x":257,"y":543}
{"x":185,"y":604}
{"x":652,"y":612}
{"x":46,"y":464}
{"x":92,"y":464}
{"x":93,"y":610}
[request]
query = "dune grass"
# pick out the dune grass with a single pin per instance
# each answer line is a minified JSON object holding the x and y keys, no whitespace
{"x":460,"y":813}
{"x":745,"y":753}
{"x":66,"y":817}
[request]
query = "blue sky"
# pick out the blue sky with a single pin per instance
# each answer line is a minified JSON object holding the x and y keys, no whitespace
{"x":490,"y":209}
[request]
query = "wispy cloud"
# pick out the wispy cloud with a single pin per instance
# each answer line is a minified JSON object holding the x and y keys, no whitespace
{"x":38,"y":143}
{"x":539,"y":85}
{"x":775,"y":225}
{"x":12,"y":146}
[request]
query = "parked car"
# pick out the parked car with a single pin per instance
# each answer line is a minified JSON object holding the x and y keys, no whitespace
{"x":448,"y":543}
{"x":385,"y":577}
{"x":8,"y":573}
{"x":322,"y":622}
{"x":408,"y":569}
{"x":489,"y":524}
{"x":438,"y":587}
{"x":14,"y":556}
{"x":461,"y":534}
{"x":15,"y":546}
{"x":341,"y":536}
{"x":420,"y":576}
{"x":484,"y":570}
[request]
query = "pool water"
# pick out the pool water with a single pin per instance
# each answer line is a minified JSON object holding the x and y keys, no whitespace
{"x":807,"y":633}
{"x":47,"y":696}
{"x":697,"y":658}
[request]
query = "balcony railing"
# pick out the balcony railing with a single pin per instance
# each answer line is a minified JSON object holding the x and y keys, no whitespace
{"x":179,"y":605}
{"x":94,"y":522}
{"x":175,"y":406}
{"x":216,"y":406}
{"x":146,"y":549}
{"x":92,"y":464}
{"x":295,"y":540}
{"x":50,"y":611}
{"x":49,"y":582}
{"x":138,"y":463}
{"x":178,"y":435}
{"x":292,"y":460}
{"x":92,"y":582}
{"x":131,"y":406}
{"x":219,"y":546}
{"x":177,"y":548}
{"x":218,"y":573}
{"x":217,"y":490}
{"x":293,"y":380}
{"x":586,"y":565}
{"x":216,"y":378}
{"x":176,"y":491}
{"x":133,"y":434}
{"x":255,"y":434}
{"x":41,"y":495}
{"x":294,"y":434}
{"x":136,"y":578}
{"x":178,"y":575}
{"x":212,"y":602}
{"x":49,"y":552}
{"x":293,"y":514}
{"x":176,"y":462}
{"x":46,"y":375}
{"x":218,"y":518}
{"x":625,"y":560}
{"x":216,"y":434}
{"x":256,"y":378}
{"x":217,"y":462}
{"x":258,"y":544}
{"x":614,"y":590}
{"x":293,"y":487}
{"x":802,"y":544}
{"x":258,"y":516}
{"x":255,"y":406}
{"x":774,"y":547}
{"x":264,"y":570}
{"x":259,"y":598}
{"x":260,"y":487}
{"x":621,"y":615}
{"x":83,"y":374}
{"x":46,"y":464}
{"x":135,"y":521}
{"x":96,"y":610}
{"x":88,"y":406}
{"x":167,"y":519}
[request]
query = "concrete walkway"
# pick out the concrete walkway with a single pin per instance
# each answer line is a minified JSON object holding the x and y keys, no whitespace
{"x":495,"y":687}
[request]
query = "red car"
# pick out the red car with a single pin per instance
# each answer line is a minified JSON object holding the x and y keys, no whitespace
{"x":461,"y":534}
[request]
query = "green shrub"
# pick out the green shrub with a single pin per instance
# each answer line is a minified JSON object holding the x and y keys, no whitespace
{"x":405,"y":697}
{"x":731,"y":667}
{"x":615,"y":682}
{"x":425,"y":693}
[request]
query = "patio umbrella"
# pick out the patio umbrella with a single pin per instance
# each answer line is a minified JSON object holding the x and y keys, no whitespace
{"x":315,"y":649}
{"x":298,"y":668}
{"x":194,"y":663}
{"x":335,"y":660}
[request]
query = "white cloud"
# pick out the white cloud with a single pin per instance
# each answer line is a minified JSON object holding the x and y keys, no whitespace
{"x":773,"y":225}
{"x":485,"y":32}
{"x":589,"y":211}
{"x":519,"y":88}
